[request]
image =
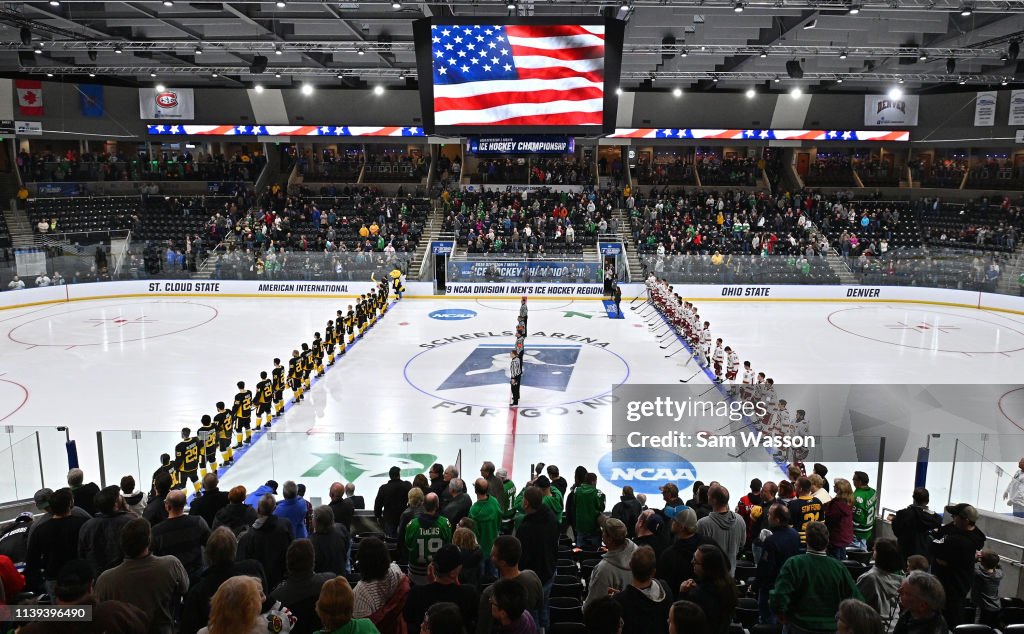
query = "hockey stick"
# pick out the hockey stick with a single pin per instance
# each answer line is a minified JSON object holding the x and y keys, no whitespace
{"x":713,"y":386}
{"x":740,"y":454}
{"x":669,"y":344}
{"x":687,"y":379}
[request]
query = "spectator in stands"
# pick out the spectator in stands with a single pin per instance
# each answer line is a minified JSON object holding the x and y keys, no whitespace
{"x":237,"y":515}
{"x":84,"y":493}
{"x":538,"y":537}
{"x":590,"y":503}
{"x":675,"y":565}
{"x":673,"y":504}
{"x":155,"y":511}
{"x":508,"y":608}
{"x":725,"y":528}
{"x":650,"y":532}
{"x":412,"y":510}
{"x":357,"y":500}
{"x":612,"y":573}
{"x":953,"y":556}
{"x":74,"y":587}
{"x":338,"y":607}
{"x":42,"y":502}
{"x":391,"y":501}
{"x":14,"y":539}
{"x":12,"y":582}
{"x":254,"y":498}
{"x":472,"y":556}
{"x":646,"y":601}
{"x":781,"y":543}
{"x":864,"y":510}
{"x":686,"y":617}
{"x":143,"y":579}
{"x":293,"y":509}
{"x":838,"y":516}
{"x":486,"y":515}
{"x":182,"y":536}
{"x":556,"y":479}
{"x":459,"y":502}
{"x":16,"y":284}
{"x":603,"y":616}
{"x":383,"y":588}
{"x":922,"y":598}
{"x":444,"y":572}
{"x":236,"y":606}
{"x":99,"y":540}
{"x":331,"y":542}
{"x":132,"y":498}
{"x":210,"y":502}
{"x":915,"y":524}
{"x":506,"y":555}
{"x":221,"y":549}
{"x":267,"y":541}
{"x":341,"y":506}
{"x":857,"y":617}
{"x":881,"y":583}
{"x":301,"y":587}
{"x":811,"y":586}
{"x":627,"y":510}
{"x":495,"y":485}
{"x":712,"y":587}
{"x":53,"y":543}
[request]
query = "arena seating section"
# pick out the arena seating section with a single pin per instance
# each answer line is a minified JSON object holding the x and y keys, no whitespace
{"x":829,"y":171}
{"x":729,"y":171}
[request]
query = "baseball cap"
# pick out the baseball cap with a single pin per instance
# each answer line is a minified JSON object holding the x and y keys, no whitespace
{"x":687,"y":518}
{"x":963,"y":510}
{"x":653,"y":523}
{"x":272,"y":484}
{"x":447,"y":559}
{"x":25,"y":516}
{"x":669,"y":488}
{"x":42,"y":498}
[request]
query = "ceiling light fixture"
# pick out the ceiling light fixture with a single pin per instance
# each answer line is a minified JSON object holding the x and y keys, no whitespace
{"x":307,"y":89}
{"x":37,"y":48}
{"x":764,"y":53}
{"x":683,"y":53}
{"x":54,"y":3}
{"x":258,"y":88}
{"x":92,"y":74}
{"x":966,"y":10}
{"x":738,"y":7}
{"x":677,"y":92}
{"x":777,"y":80}
{"x":49,"y":74}
{"x":624,"y":6}
{"x":618,"y":91}
{"x":168,"y":3}
{"x":751,"y":93}
{"x":360,"y":51}
{"x":796,"y":93}
{"x":1004,"y":82}
{"x":214,"y":74}
{"x":396,"y":5}
{"x":281,"y":4}
{"x":853,"y":10}
{"x":378,"y":90}
{"x":118,"y":50}
{"x":160,"y":87}
{"x":277,"y":75}
{"x":511,"y":6}
{"x":963,"y":80}
{"x":278,"y":51}
{"x":842,"y":54}
{"x":839,"y":80}
{"x":901,"y":80}
{"x":199,"y":50}
{"x":895,"y":94}
{"x":922,"y":56}
{"x":152,"y":74}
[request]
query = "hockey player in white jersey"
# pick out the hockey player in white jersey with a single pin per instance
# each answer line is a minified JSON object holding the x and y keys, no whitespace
{"x":718,"y":359}
{"x":732,"y":365}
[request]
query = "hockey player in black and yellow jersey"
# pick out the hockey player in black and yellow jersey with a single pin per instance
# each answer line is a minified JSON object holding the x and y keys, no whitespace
{"x":340,"y":332}
{"x":329,"y":341}
{"x":186,"y":459}
{"x":295,"y":376}
{"x":277,"y":378}
{"x":207,"y":436}
{"x":225,"y":425}
{"x":306,"y":363}
{"x":350,"y":324}
{"x":242,"y":412}
{"x":264,"y":400}
{"x":317,"y":354}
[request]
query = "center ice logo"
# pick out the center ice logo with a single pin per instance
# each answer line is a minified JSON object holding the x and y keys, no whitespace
{"x":547,"y":367}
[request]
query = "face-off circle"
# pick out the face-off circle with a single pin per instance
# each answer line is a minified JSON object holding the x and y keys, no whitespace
{"x":928,"y":330}
{"x":13,"y":397}
{"x":113,"y":325}
{"x":556,"y":371}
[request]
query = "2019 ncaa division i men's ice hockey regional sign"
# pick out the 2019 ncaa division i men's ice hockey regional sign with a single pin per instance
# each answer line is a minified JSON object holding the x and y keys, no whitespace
{"x":467,"y":374}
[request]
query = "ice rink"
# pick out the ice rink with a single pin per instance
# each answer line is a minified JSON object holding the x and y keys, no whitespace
{"x":429,"y":383}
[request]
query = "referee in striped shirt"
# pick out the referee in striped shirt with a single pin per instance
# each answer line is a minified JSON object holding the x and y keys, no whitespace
{"x":515,"y":373}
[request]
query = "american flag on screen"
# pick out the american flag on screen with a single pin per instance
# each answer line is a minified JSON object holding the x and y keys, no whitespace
{"x":518,"y":75}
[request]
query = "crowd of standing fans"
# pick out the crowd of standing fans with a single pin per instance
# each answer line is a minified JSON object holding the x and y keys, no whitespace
{"x":487,"y":556}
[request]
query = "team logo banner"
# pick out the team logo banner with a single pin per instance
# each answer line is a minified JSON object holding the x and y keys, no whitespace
{"x":880,"y":110}
{"x":170,"y":103}
{"x":1016,"y":107}
{"x":985,"y":108}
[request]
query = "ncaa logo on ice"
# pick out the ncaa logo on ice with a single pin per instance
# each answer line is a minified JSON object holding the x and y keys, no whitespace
{"x":646,"y":470}
{"x":452,"y":314}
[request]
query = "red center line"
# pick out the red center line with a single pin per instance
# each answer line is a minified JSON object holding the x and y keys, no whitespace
{"x":509,"y":454}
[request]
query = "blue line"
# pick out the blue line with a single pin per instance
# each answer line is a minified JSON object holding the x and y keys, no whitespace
{"x":259,"y":433}
{"x":720,"y":387}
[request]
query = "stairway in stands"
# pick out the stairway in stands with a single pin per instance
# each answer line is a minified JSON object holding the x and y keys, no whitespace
{"x":431,"y":231}
{"x":625,"y":233}
{"x":18,"y":226}
{"x":840,"y":268}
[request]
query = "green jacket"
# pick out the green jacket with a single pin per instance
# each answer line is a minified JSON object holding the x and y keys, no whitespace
{"x":865,"y":507}
{"x":486,"y":514}
{"x":809,"y":589}
{"x":355,"y":626}
{"x":589,"y":504}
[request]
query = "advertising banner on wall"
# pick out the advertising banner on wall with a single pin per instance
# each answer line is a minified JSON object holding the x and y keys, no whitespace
{"x":171,"y":103}
{"x":522,"y":271}
{"x":1016,"y":107}
{"x":530,"y":144}
{"x":880,"y":110}
{"x":985,"y":108}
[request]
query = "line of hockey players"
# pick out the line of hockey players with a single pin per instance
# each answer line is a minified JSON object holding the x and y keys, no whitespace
{"x":682,"y":323}
{"x":197,"y":454}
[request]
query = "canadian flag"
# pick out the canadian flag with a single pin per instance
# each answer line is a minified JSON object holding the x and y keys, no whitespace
{"x":30,"y":97}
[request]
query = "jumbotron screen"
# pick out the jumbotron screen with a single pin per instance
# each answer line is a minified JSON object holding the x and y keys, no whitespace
{"x":519,"y":75}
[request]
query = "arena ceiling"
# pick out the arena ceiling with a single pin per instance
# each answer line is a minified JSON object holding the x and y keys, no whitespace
{"x":840,"y":46}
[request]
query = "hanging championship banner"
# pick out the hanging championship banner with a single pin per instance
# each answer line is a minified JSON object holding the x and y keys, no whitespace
{"x":880,"y":110}
{"x":985,"y":108}
{"x":170,"y":103}
{"x":1017,"y":107}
